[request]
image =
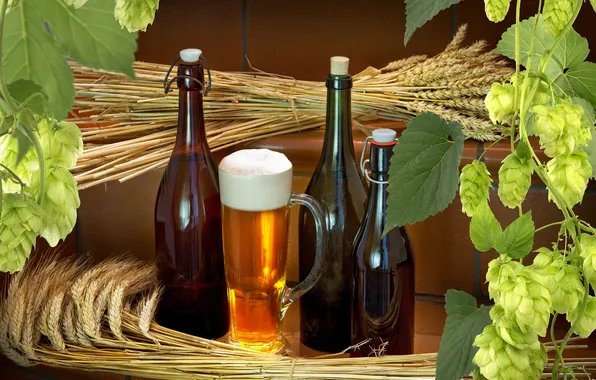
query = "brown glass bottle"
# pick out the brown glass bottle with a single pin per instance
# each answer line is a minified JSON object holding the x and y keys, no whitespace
{"x":188,"y":224}
{"x":383,"y":298}
{"x":339,"y":186}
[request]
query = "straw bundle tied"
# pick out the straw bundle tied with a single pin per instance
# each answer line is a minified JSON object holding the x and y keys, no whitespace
{"x":129,"y":126}
{"x":67,"y":313}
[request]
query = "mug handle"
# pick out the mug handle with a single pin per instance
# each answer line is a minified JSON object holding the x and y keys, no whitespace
{"x":292,"y":294}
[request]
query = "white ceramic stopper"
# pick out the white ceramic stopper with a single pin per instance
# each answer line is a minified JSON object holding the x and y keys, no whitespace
{"x":339,"y":65}
{"x":384,"y":135}
{"x":190,"y":55}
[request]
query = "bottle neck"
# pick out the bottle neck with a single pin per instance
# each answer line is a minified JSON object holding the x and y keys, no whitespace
{"x":338,"y":147}
{"x":380,"y":157}
{"x":191,"y":137}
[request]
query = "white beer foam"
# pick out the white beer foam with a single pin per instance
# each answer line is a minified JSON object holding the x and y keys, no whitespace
{"x":255,"y":180}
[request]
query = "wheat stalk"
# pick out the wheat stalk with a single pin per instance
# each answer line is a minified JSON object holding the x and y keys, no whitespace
{"x":129,"y":126}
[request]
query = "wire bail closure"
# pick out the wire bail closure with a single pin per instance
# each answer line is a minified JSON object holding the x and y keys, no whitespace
{"x":168,"y":83}
{"x":363,"y":162}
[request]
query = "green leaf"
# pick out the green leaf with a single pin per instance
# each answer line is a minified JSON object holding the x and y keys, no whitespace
{"x":24,"y":140}
{"x":30,"y":53}
{"x":23,"y":90}
{"x":523,"y":151}
{"x":418,"y":12}
{"x":464,"y":322}
{"x":518,"y":238}
{"x":591,"y":150}
{"x":485,"y":229}
{"x":423,"y":176}
{"x":571,"y":50}
{"x":582,"y":78}
{"x":91,"y":35}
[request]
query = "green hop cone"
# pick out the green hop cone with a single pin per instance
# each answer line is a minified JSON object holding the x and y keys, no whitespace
{"x":587,"y":323}
{"x":60,"y":204}
{"x":557,"y":14}
{"x":498,"y":360}
{"x":500,"y":102}
{"x":562,"y":280}
{"x":475,"y":182}
{"x":496,"y":10}
{"x":561,"y":128}
{"x":26,"y":170}
{"x":75,"y":3}
{"x":515,"y":176}
{"x":510,"y":332}
{"x":588,"y":253}
{"x":20,"y":223}
{"x":541,"y":96}
{"x":501,"y":274}
{"x":569,"y":175}
{"x":135,"y":15}
{"x":62,"y":142}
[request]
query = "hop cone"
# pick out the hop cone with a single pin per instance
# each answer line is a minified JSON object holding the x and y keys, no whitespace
{"x":510,"y":332}
{"x":515,"y":178}
{"x":498,"y":360}
{"x":562,"y":280}
{"x":501,"y":274}
{"x":75,"y":3}
{"x":62,"y":142}
{"x":475,"y":181}
{"x":496,"y":10}
{"x":588,"y":253}
{"x":569,"y":175}
{"x":500,"y":102}
{"x":557,"y":14}
{"x":135,"y":15}
{"x":561,"y":128}
{"x":587,"y":323}
{"x":26,"y":169}
{"x":60,"y":204}
{"x":20,"y":224}
{"x":541,"y":96}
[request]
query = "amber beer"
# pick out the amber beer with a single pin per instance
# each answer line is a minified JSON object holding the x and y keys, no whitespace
{"x":255,"y":188}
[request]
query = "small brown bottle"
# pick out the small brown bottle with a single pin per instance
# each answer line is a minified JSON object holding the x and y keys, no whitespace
{"x":188,"y":238}
{"x":383,"y":297}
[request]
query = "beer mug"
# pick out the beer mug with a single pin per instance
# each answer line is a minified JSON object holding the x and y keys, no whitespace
{"x":256,"y":194}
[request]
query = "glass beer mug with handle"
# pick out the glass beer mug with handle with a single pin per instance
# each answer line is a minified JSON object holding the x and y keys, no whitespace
{"x":256,"y":194}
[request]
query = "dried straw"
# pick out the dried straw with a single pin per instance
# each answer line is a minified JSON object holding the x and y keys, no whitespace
{"x":129,"y":126}
{"x":139,"y":346}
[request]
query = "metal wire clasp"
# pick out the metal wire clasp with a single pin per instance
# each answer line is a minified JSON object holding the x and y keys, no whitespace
{"x":168,"y":83}
{"x":363,"y":162}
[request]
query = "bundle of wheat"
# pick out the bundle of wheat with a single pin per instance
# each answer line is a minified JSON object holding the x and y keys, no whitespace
{"x":129,"y":126}
{"x":68,"y":313}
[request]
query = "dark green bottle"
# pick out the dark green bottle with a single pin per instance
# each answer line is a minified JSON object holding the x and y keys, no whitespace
{"x":338,"y":184}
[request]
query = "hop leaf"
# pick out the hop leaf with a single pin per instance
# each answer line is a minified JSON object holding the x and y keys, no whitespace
{"x":12,"y":4}
{"x":557,"y":14}
{"x":60,"y":204}
{"x":587,"y":323}
{"x":20,"y":224}
{"x":561,"y":128}
{"x":62,"y":142}
{"x":569,"y":175}
{"x":475,"y":182}
{"x":499,"y":102}
{"x":515,"y":176}
{"x":496,"y":10}
{"x":75,"y":3}
{"x":562,"y":280}
{"x":135,"y":15}
{"x":498,"y":360}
